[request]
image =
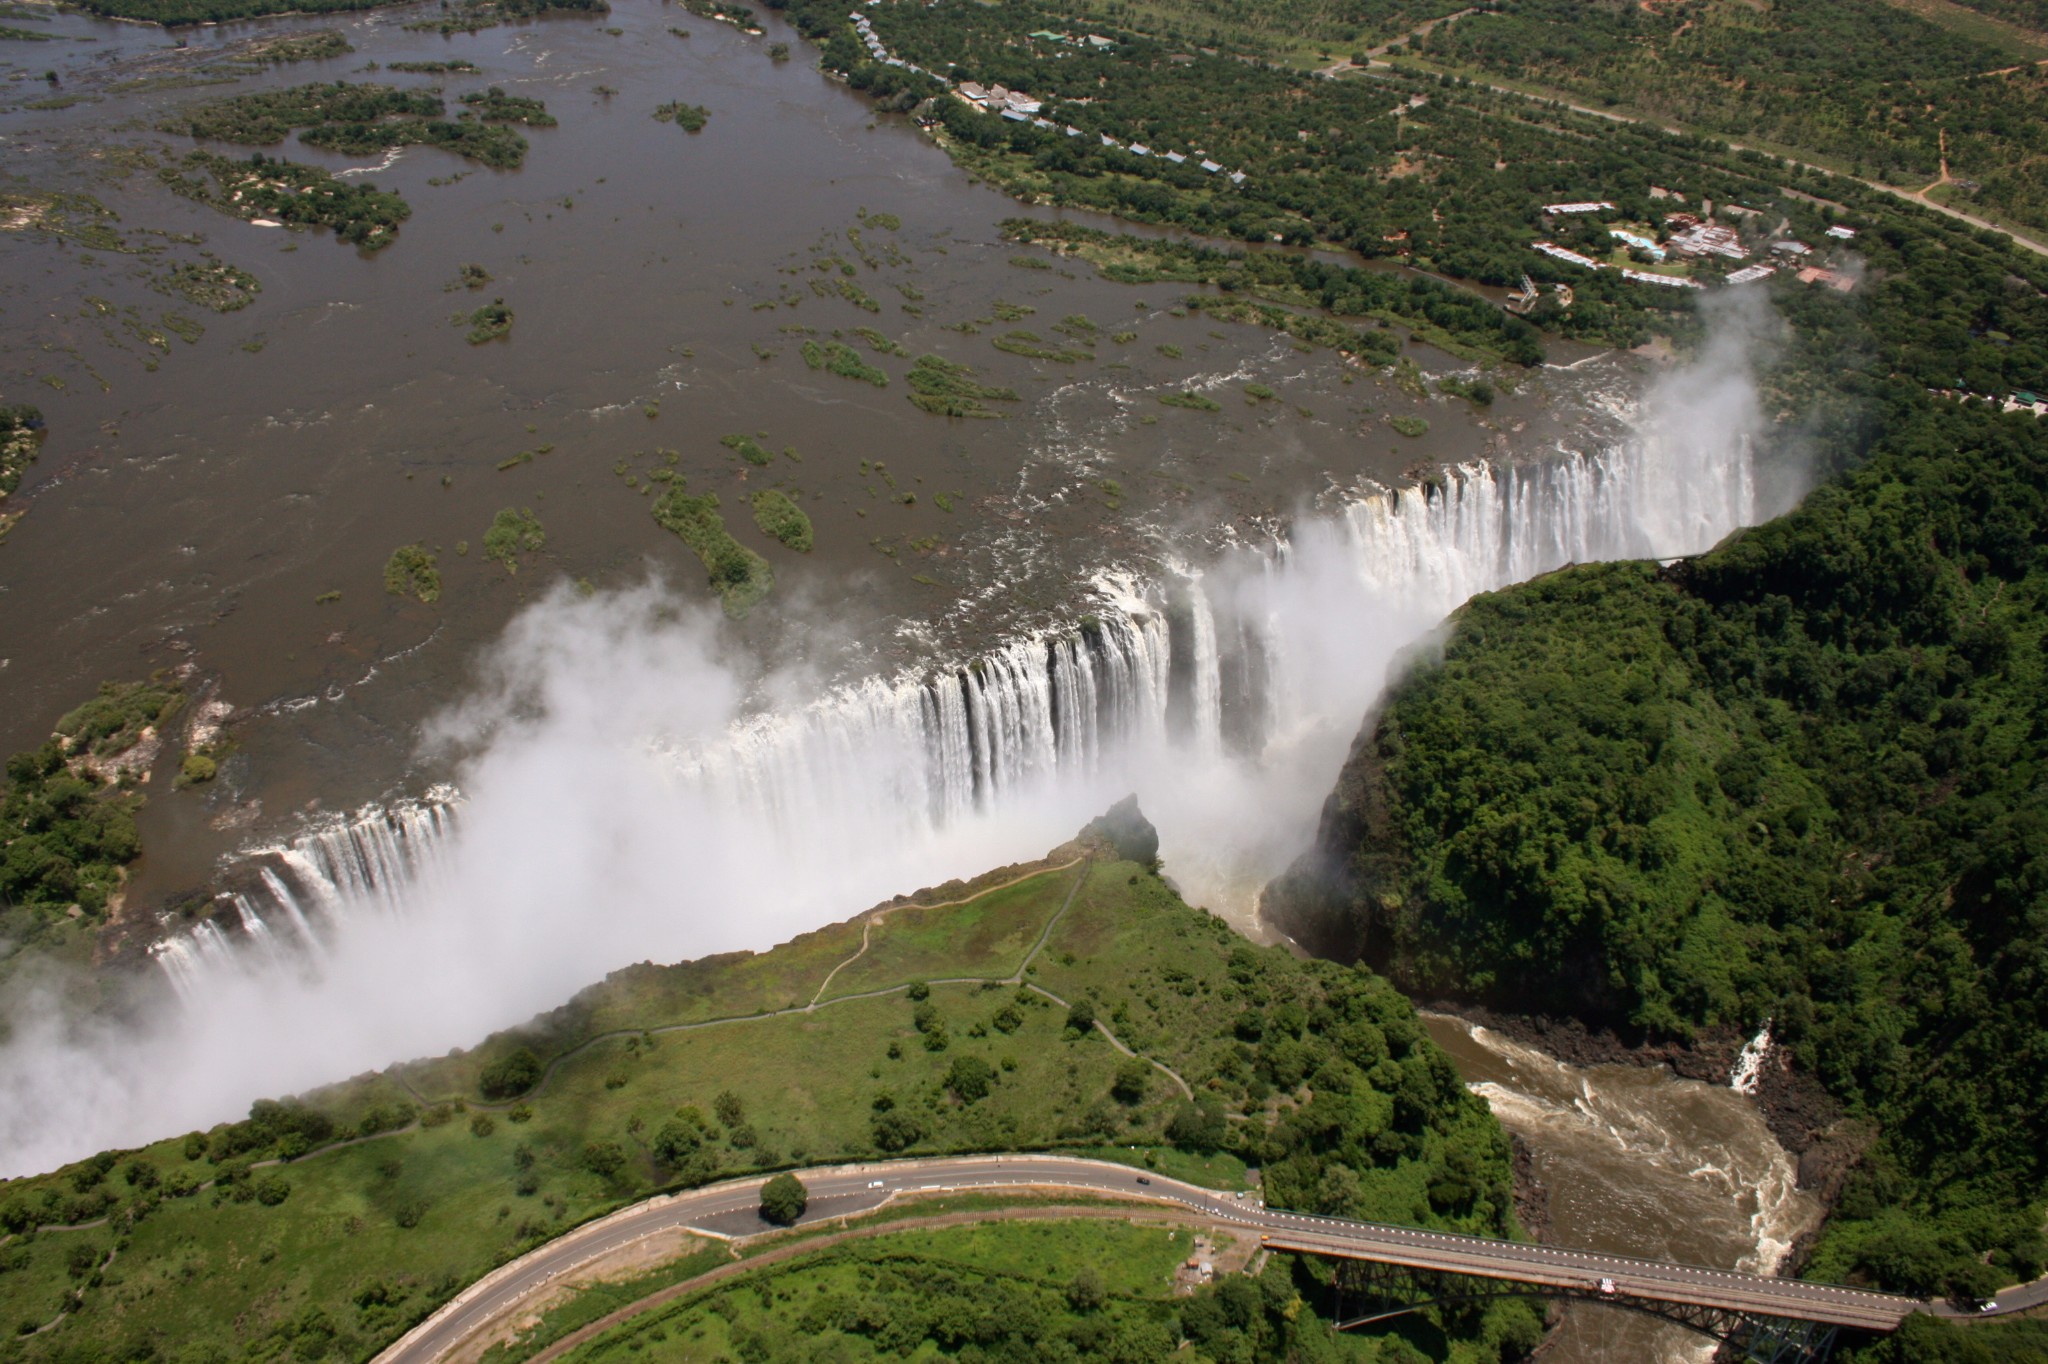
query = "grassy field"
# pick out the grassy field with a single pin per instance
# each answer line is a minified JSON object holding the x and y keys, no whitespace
{"x":407,"y":1185}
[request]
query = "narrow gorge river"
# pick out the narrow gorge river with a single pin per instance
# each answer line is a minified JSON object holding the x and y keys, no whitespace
{"x":1638,"y":1161}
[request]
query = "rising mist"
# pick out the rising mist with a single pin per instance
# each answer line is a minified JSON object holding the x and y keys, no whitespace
{"x":625,"y":799}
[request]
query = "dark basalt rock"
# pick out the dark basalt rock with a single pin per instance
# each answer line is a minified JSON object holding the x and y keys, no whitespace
{"x":1125,"y":829}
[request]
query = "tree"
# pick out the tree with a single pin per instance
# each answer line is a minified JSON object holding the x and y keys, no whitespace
{"x":1085,"y":1292}
{"x":1197,"y":1126}
{"x":1081,"y":1016}
{"x":783,"y":1199}
{"x":676,"y":1142}
{"x":513,"y":1075}
{"x":895,"y":1130}
{"x":1133,"y":1079}
{"x":970,"y":1077}
{"x":729,"y":1109}
{"x":604,"y":1158}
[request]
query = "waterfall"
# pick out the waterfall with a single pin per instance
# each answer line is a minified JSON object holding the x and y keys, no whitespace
{"x":1181,"y":672}
{"x":1748,"y":1071}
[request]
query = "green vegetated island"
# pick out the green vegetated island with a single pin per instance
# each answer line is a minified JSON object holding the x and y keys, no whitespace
{"x":354,"y":119}
{"x":21,"y":435}
{"x":67,"y":815}
{"x":1074,"y":1004}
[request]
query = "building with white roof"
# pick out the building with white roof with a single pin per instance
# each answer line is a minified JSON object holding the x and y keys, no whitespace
{"x":1556,"y":252}
{"x":1668,"y":281}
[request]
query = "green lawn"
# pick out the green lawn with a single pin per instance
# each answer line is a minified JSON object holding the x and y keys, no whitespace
{"x":988,"y":937}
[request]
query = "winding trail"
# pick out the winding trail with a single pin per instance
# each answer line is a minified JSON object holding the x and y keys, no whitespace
{"x":875,"y":916}
{"x":1015,"y":977}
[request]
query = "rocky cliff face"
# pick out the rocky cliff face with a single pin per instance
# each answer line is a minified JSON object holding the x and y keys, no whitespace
{"x":1334,"y":900}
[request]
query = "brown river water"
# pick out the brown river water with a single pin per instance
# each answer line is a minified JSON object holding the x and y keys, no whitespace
{"x":194,"y":498}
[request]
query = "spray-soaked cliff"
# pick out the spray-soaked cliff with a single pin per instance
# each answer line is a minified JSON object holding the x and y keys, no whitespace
{"x":1795,"y":779}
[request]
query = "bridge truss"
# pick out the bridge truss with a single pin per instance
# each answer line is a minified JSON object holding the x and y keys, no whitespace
{"x":1368,"y":1291}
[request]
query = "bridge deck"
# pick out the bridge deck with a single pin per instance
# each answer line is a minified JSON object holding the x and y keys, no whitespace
{"x":1550,"y":1267}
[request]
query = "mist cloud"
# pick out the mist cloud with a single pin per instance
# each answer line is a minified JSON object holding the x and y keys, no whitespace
{"x":626,"y":800}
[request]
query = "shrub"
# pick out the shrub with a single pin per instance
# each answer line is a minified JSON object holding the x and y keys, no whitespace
{"x":691,"y":118}
{"x":488,"y":323}
{"x":604,"y":1158}
{"x":748,"y":449}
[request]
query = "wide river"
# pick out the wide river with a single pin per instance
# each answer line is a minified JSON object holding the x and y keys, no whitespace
{"x":207,"y":490}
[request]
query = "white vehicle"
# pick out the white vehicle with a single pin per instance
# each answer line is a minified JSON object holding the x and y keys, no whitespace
{"x":1988,"y":1305}
{"x":874,"y":1184}
{"x":1607,"y":1285}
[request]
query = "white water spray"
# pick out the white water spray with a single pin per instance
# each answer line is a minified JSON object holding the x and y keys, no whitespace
{"x":620,"y":802}
{"x":1748,"y":1071}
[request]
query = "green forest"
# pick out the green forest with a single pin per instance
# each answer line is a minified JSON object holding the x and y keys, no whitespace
{"x":1862,"y":84}
{"x":1797,"y":779}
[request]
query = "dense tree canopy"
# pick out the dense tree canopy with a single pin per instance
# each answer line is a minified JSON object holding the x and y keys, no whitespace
{"x":1795,"y":779}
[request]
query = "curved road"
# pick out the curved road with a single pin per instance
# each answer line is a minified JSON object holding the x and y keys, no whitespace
{"x":730,"y":1210}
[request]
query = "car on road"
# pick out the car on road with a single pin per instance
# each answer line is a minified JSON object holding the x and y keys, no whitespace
{"x":875,"y":1183}
{"x":1607,"y":1286}
{"x":1988,"y":1305}
{"x":1143,"y":1180}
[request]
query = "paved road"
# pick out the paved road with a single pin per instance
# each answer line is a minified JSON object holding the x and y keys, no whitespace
{"x":730,"y":1210}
